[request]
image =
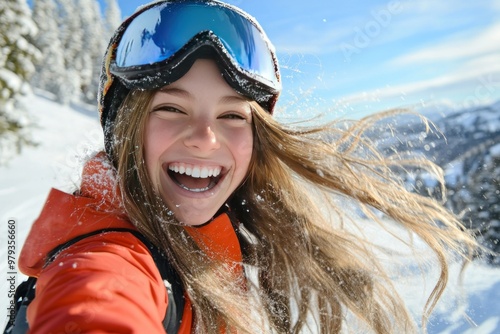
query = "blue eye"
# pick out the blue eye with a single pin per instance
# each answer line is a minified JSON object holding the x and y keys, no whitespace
{"x":162,"y":108}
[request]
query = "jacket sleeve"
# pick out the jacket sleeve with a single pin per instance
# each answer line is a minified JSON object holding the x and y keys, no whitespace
{"x":106,"y":283}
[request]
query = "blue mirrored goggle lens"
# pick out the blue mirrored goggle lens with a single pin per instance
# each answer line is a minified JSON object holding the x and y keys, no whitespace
{"x":159,"y":32}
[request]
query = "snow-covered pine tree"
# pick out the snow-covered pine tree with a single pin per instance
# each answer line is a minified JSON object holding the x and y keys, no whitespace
{"x":50,"y":71}
{"x":17,"y":57}
{"x":483,"y":203}
{"x":95,"y":43}
{"x":71,"y":37}
{"x":112,"y":18}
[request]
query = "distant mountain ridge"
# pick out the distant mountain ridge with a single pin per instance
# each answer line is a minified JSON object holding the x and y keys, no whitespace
{"x":466,"y":144}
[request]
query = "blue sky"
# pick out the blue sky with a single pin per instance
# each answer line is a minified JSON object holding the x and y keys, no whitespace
{"x":351,"y":58}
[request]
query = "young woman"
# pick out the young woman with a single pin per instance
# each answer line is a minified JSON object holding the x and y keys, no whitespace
{"x":245,"y":209}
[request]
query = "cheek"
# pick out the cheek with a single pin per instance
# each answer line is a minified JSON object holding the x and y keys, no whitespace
{"x":246,"y":150}
{"x":242,"y":149}
{"x":154,"y":142}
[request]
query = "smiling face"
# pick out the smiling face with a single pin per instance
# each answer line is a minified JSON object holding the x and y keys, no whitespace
{"x":198,"y":143}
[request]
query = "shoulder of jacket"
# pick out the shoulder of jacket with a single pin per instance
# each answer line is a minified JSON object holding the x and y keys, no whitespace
{"x":104,"y":244}
{"x":110,"y":271}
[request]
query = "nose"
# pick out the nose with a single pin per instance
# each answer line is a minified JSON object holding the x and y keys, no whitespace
{"x":201,"y":136}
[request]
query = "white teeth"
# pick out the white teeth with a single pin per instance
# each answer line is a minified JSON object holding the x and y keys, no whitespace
{"x":204,"y":172}
{"x":195,"y":171}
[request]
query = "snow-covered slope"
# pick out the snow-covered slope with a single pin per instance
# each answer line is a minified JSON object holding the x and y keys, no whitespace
{"x":66,"y":135}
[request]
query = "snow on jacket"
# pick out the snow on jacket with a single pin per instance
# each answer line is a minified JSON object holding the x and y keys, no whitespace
{"x":106,"y":283}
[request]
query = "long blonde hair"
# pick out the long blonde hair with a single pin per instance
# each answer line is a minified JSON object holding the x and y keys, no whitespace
{"x":305,"y":264}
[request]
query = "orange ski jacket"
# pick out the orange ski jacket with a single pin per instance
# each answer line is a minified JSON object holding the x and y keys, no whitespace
{"x":105,"y":283}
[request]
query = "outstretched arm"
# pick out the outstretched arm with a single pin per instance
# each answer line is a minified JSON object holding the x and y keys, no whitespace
{"x":107,"y":283}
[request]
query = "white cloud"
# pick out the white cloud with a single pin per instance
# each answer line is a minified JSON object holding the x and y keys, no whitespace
{"x":483,"y":42}
{"x":328,"y":30}
{"x":391,"y":22}
{"x":484,"y":72}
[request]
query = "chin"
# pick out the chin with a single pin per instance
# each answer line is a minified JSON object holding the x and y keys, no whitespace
{"x":193,"y":220}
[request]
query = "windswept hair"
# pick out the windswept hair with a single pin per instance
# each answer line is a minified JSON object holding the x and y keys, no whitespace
{"x":295,"y":236}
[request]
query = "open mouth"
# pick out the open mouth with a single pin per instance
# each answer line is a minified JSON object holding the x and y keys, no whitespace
{"x":195,"y":178}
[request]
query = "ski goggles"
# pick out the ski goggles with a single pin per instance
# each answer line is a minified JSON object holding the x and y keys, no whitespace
{"x":158,"y":44}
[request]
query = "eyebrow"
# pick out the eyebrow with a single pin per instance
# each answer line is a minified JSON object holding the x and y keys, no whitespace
{"x":185,"y":94}
{"x":233,"y":99}
{"x":177,"y":91}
